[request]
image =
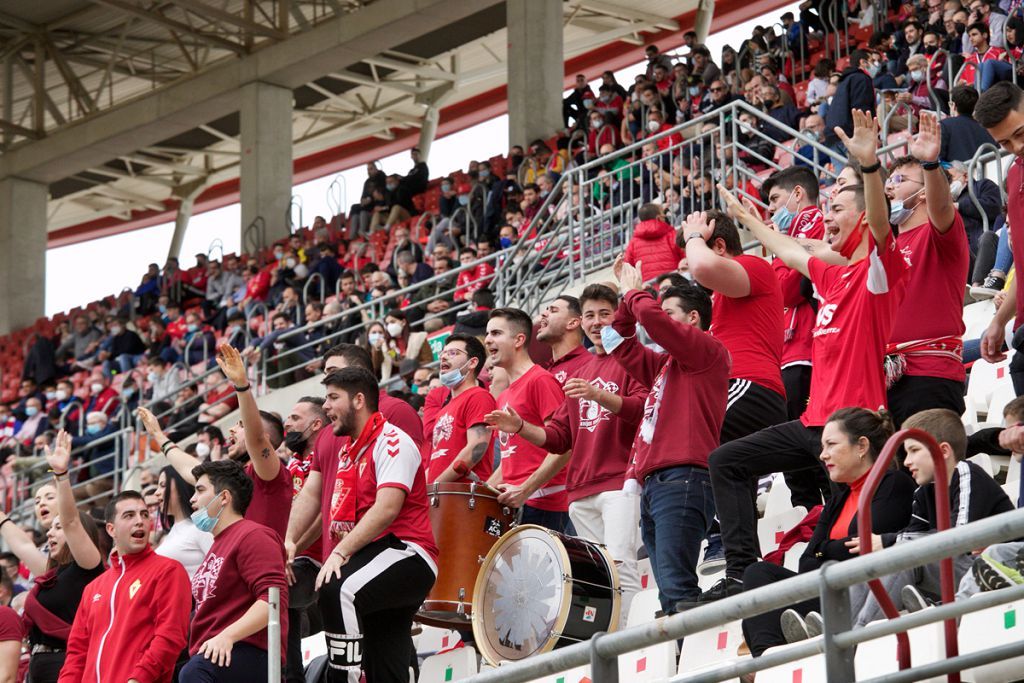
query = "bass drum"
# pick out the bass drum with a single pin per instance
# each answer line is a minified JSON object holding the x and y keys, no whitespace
{"x":467,"y":521}
{"x":539,"y":590}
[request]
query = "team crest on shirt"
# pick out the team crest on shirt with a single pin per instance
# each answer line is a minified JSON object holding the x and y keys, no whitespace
{"x":652,"y":407}
{"x":593,"y":413}
{"x":443,"y":428}
{"x":134,"y":588}
{"x":561,"y":376}
{"x":504,"y":439}
{"x":204,"y":583}
{"x":908,"y":255}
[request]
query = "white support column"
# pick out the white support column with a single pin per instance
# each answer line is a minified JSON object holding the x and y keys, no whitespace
{"x":702,"y":22}
{"x":428,"y":130}
{"x":266,"y":163}
{"x":22,"y":253}
{"x":187,"y":195}
{"x":535,"y":69}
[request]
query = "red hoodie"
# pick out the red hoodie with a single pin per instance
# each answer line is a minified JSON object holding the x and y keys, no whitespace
{"x":654,"y":245}
{"x":132,"y":622}
{"x":688,"y":387}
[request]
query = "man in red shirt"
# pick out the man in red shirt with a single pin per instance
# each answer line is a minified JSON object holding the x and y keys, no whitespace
{"x":132,"y":621}
{"x":1001,"y":111}
{"x":459,"y":433}
{"x":304,"y":422}
{"x":596,"y":424}
{"x":680,"y":425}
{"x":232,"y":586}
{"x":854,"y":321}
{"x":925,"y":366}
{"x":529,"y":477}
{"x":792,"y":195}
{"x":559,"y":328}
{"x":384,"y":565}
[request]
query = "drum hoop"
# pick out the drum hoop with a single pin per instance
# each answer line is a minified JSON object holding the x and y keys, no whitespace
{"x":563,"y":612}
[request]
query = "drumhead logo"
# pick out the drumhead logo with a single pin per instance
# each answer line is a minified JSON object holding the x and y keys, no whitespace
{"x":593,"y":413}
{"x":443,"y":428}
{"x":590,"y":614}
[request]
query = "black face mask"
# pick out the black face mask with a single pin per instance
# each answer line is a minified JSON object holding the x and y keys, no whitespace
{"x":931,"y":49}
{"x":296,"y":442}
{"x":516,"y":159}
{"x":960,"y":28}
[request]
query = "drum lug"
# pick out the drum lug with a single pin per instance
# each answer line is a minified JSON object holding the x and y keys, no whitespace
{"x":472,"y":495}
{"x":480,"y":559}
{"x":434,"y":501}
{"x":461,"y":609}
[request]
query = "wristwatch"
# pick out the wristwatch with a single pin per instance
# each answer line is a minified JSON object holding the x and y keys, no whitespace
{"x":692,"y":235}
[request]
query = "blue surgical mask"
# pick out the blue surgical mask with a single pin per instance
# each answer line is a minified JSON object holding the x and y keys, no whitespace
{"x":505,"y":242}
{"x":192,"y":327}
{"x":374,"y":338}
{"x":162,"y":308}
{"x":610,"y":339}
{"x":783,"y":218}
{"x":484,"y":173}
{"x":94,"y":428}
{"x":128,"y":392}
{"x":31,"y":411}
{"x":453,"y":378}
{"x":873,"y":70}
{"x":446,"y":187}
{"x":463,"y":199}
{"x":202,"y":519}
{"x":694,"y":91}
{"x":898,"y":212}
{"x":391,"y":187}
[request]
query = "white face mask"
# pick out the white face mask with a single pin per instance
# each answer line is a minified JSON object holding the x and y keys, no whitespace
{"x":395,"y":329}
{"x":202,"y":449}
{"x":96,"y":387}
{"x":62,"y":395}
{"x":653,"y":126}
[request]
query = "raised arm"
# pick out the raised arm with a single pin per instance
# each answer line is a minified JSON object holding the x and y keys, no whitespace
{"x":181,"y":461}
{"x":21,"y":545}
{"x":85,"y":552}
{"x":786,"y":248}
{"x":717,"y":273}
{"x":925,"y":148}
{"x":261,"y":453}
{"x":863,"y":147}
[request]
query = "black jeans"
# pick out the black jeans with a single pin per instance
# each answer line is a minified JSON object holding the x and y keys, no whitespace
{"x":248,"y":665}
{"x":912,"y":394}
{"x":44,"y":667}
{"x":302,"y":609}
{"x":763,"y":630}
{"x":788,"y":447}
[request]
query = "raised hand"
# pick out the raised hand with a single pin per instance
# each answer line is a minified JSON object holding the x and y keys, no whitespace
{"x":150,"y":422}
{"x":928,"y":141}
{"x":629,"y":277}
{"x":733,"y":207}
{"x":863,"y":145}
{"x":698,"y":222}
{"x":507,"y":420}
{"x":232,"y":365}
{"x":59,"y":454}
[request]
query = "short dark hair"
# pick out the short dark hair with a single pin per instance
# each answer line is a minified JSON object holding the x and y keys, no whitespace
{"x":599,"y":292}
{"x":675,"y":279}
{"x":996,"y":103}
{"x":355,"y":380}
{"x":1014,"y":409}
{"x":965,"y":98}
{"x":858,"y":195}
{"x":317,"y":402}
{"x":518,"y":320}
{"x":227,"y":475}
{"x":981,"y":27}
{"x":912,"y":22}
{"x":648,"y":212}
{"x":692,"y":298}
{"x":572,"y":303}
{"x":110,"y":512}
{"x":858,"y":55}
{"x":273,"y":426}
{"x":725,"y":230}
{"x":353,"y":355}
{"x":483,"y":297}
{"x":474,"y":349}
{"x":789,"y":178}
{"x":213,"y":432}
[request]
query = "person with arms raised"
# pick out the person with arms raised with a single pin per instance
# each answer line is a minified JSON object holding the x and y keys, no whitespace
{"x":228,"y":641}
{"x":854,"y":322}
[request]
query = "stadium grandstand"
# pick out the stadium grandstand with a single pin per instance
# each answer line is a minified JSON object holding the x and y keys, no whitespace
{"x":676,"y":389}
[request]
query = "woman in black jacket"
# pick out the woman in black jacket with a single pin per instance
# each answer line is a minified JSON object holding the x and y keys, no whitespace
{"x":850,"y":442}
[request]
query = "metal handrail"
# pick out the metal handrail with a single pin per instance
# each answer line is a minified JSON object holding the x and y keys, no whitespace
{"x":254,"y":237}
{"x":928,"y":77}
{"x":985,"y":153}
{"x":336,"y":198}
{"x":305,"y":292}
{"x":215,"y":244}
{"x":187,"y":356}
{"x":830,"y":582}
{"x":295,"y":201}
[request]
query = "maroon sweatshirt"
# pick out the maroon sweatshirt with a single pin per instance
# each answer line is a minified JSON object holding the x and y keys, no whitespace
{"x":688,"y":386}
{"x":601,"y":441}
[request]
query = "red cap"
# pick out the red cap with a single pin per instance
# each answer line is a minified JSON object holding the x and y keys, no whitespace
{"x":463,"y":188}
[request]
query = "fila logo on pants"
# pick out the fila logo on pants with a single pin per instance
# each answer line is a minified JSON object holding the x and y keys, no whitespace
{"x":345,"y":651}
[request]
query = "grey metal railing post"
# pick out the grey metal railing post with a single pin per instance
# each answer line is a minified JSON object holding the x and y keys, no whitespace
{"x":835,"y":612}
{"x":274,"y":635}
{"x":602,"y":669}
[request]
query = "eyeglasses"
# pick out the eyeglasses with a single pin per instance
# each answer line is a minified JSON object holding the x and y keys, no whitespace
{"x":448,"y":353}
{"x":898,"y":178}
{"x":717,"y":89}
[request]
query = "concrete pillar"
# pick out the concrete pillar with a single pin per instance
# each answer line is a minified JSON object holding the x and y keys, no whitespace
{"x":187,"y":195}
{"x":535,"y":69}
{"x":702,"y":22}
{"x":428,"y":130}
{"x":22,"y":252}
{"x":266,"y":164}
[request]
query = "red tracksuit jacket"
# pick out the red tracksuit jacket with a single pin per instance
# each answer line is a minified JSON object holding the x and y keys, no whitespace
{"x":132,"y":622}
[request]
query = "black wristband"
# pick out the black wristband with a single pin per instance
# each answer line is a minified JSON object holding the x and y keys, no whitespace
{"x":56,"y":475}
{"x":166,"y":446}
{"x":873,"y":168}
{"x":243,"y":389}
{"x":6,"y":519}
{"x":930,"y":165}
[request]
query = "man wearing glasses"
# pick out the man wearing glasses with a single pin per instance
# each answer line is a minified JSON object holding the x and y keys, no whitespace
{"x":924,"y":361}
{"x":720,"y":95}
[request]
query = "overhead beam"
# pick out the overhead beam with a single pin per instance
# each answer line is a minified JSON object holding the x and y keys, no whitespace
{"x":173,"y":24}
{"x":203,"y":10}
{"x":619,"y":12}
{"x":9,"y":127}
{"x":195,"y":100}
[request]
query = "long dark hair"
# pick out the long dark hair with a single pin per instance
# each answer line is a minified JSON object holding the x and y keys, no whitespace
{"x":185,"y":491}
{"x":874,"y":426}
{"x":102,"y":541}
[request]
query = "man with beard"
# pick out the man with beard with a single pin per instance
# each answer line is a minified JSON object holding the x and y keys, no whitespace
{"x":252,"y":442}
{"x":559,"y":328}
{"x":378,"y":575}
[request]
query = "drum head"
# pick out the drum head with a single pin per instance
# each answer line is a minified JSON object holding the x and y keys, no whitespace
{"x":521,"y":599}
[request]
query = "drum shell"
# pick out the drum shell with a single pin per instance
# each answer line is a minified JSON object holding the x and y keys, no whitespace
{"x":467,"y":521}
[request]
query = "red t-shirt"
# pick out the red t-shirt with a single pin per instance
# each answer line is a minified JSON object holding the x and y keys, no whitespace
{"x":798,"y":315}
{"x":394,"y":461}
{"x":933,"y":305}
{"x":568,"y":365}
{"x":245,"y":561}
{"x":298,"y":470}
{"x":854,"y":323}
{"x":751,"y":326}
{"x":535,"y":396}
{"x":271,"y":500}
{"x":450,"y":427}
{"x":328,"y":446}
{"x":11,"y":628}
{"x":1015,"y":219}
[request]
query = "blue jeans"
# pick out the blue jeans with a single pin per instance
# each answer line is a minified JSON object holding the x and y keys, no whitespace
{"x":248,"y":665}
{"x":556,"y":521}
{"x":994,"y":71}
{"x":1004,"y":256}
{"x":675,"y":512}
